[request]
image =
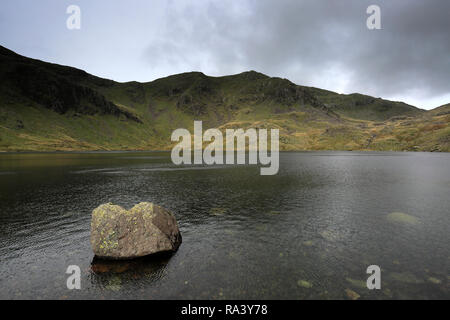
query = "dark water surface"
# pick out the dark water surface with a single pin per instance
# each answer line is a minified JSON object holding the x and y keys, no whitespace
{"x":309,"y":232}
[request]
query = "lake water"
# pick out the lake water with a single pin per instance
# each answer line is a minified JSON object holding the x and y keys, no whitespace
{"x":309,"y":232}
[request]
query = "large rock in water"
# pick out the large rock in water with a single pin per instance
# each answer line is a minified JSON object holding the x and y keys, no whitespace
{"x":145,"y":229}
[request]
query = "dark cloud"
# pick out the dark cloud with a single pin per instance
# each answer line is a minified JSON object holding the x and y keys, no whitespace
{"x":319,"y":43}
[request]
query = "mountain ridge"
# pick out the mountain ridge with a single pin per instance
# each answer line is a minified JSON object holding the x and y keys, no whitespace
{"x":48,"y":107}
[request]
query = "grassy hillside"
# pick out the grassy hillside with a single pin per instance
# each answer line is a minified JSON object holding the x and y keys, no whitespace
{"x":47,"y":107}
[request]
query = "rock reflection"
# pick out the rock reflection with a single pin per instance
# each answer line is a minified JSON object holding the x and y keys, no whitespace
{"x":151,"y":267}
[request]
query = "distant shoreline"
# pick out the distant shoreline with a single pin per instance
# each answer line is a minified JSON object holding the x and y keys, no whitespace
{"x":161,"y":151}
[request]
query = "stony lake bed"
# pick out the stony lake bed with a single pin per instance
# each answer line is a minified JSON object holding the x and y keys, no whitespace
{"x":308,"y":232}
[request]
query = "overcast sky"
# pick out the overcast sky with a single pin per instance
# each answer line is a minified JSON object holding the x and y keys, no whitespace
{"x":324,"y":44}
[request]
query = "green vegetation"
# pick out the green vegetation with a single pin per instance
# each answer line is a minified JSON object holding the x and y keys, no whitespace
{"x":48,"y":107}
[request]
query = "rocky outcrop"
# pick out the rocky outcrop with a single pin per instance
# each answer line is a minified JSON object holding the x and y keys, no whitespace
{"x":145,"y":229}
{"x":58,"y":88}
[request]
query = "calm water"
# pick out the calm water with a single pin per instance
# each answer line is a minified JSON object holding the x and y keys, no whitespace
{"x":307,"y":233}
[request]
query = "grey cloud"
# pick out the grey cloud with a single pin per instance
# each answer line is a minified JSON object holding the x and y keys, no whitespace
{"x":318,"y":43}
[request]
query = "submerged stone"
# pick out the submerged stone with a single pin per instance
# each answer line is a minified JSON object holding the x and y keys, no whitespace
{"x":357,"y":283}
{"x":304,"y":284}
{"x":434,"y":280}
{"x":145,"y":229}
{"x":352,"y":294}
{"x":218,"y":211}
{"x":329,"y":235}
{"x":405,"y":277}
{"x":388,"y":292}
{"x":402,"y":218}
{"x":114,"y":284}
